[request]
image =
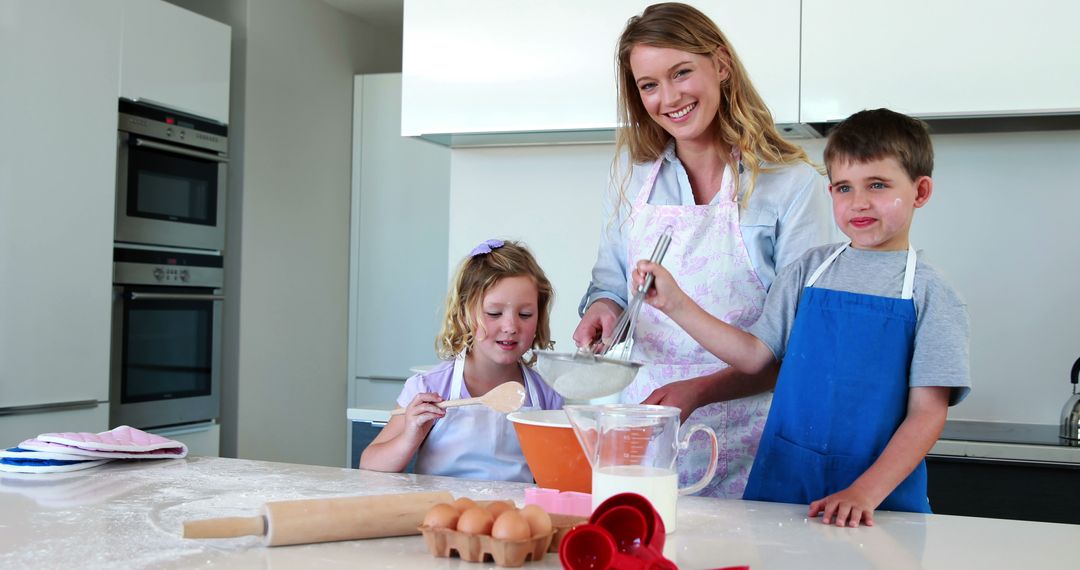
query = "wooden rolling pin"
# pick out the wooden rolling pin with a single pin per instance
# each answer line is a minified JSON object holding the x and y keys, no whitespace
{"x":306,"y":521}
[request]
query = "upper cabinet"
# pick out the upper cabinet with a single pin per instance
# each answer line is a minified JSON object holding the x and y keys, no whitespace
{"x":940,"y":59}
{"x":175,"y":58}
{"x":546,"y":69}
{"x":486,"y":67}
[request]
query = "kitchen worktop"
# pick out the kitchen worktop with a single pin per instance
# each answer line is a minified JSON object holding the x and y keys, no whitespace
{"x":130,"y":515}
{"x":1036,"y":443}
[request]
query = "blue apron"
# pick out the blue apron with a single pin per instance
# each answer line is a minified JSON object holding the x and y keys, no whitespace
{"x":841,"y":395}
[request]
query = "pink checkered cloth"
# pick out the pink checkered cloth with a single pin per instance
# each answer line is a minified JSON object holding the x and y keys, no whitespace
{"x":120,"y":443}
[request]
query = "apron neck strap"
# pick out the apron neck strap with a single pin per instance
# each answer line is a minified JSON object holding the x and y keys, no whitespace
{"x":646,"y":190}
{"x":909,"y":270}
{"x":457,"y":377}
{"x":825,"y":264}
{"x":909,"y":274}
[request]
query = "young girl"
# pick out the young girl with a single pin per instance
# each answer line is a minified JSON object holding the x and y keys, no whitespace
{"x":497,"y":310}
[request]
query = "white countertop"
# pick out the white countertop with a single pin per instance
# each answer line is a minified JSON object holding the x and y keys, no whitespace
{"x":1002,"y":441}
{"x":130,"y":515}
{"x":368,"y":414}
{"x":1007,"y":451}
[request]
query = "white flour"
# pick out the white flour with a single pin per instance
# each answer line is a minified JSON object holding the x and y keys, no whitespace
{"x":588,"y":381}
{"x":134,"y":512}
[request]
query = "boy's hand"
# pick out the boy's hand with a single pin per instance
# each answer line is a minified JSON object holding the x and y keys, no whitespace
{"x":846,"y":508}
{"x":665,"y":293}
{"x":421,"y":411}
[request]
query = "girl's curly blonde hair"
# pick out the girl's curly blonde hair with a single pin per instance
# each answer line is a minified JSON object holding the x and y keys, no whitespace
{"x":475,"y":276}
{"x":744,"y":121}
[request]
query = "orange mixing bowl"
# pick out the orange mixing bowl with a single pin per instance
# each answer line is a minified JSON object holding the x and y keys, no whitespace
{"x":552,"y":450}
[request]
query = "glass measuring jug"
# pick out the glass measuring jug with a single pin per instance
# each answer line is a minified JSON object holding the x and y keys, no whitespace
{"x":633,"y":449}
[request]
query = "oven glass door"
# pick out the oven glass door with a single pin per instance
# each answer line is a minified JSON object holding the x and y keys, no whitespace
{"x":171,"y":183}
{"x":168,"y":343}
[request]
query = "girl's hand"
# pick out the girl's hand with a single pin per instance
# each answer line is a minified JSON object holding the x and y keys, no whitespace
{"x":665,"y":293}
{"x":846,"y":508}
{"x":421,"y":412}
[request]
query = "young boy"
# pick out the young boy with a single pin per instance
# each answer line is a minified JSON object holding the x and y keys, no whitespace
{"x":872,"y":344}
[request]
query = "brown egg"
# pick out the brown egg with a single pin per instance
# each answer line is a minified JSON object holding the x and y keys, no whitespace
{"x":538,"y":519}
{"x":497,"y":508}
{"x":463,"y":504}
{"x":476,"y":520}
{"x":510,"y":526}
{"x":442,"y":515}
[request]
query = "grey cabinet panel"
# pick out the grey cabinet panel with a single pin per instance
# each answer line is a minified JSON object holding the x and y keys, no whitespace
{"x":400,"y":224}
{"x":363,"y":433}
{"x":1032,"y":491}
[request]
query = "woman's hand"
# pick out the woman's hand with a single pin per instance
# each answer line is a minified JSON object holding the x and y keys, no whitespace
{"x":421,"y":412}
{"x":597,"y":323}
{"x":686,"y":395}
{"x":665,"y":293}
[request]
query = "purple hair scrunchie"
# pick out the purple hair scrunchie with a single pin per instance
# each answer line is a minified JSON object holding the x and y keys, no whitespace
{"x":486,"y":246}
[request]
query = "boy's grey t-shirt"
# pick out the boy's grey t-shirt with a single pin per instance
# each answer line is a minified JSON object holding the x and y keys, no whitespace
{"x":941,"y":330}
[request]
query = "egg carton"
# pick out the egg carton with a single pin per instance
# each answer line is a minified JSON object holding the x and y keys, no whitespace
{"x":443,"y":542}
{"x":562,"y":525}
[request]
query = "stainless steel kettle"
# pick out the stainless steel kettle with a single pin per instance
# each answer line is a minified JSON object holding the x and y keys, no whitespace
{"x":1070,"y":414}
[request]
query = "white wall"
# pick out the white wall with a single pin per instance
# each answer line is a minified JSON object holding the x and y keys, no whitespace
{"x":545,"y":196}
{"x":1001,"y":226}
{"x":288,"y":222}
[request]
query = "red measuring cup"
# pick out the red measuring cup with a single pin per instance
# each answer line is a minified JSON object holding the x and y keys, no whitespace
{"x":629,"y":529}
{"x":590,"y":547}
{"x":654,"y":525}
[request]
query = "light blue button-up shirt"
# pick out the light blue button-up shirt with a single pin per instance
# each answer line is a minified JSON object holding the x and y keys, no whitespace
{"x":788,"y":213}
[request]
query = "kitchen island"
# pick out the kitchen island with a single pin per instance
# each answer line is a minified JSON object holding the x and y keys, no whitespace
{"x":130,"y":515}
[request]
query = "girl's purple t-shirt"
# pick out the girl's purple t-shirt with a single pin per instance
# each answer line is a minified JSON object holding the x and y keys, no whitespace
{"x":438,"y":380}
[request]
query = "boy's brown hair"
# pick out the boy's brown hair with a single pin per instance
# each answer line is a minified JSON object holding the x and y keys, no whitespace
{"x":880,"y":133}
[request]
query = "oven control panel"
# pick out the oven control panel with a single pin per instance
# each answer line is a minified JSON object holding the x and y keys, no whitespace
{"x":172,"y":274}
{"x":140,"y":267}
{"x":164,"y":124}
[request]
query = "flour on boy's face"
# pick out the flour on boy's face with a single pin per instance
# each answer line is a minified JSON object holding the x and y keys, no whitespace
{"x":874,"y":201}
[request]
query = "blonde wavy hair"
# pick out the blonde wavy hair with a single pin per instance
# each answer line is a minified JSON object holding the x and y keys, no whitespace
{"x":743,"y":119}
{"x":476,"y":275}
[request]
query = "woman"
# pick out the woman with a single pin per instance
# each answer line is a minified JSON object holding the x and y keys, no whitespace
{"x":707,"y":161}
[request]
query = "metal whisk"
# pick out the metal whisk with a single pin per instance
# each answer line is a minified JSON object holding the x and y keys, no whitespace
{"x":623,"y":335}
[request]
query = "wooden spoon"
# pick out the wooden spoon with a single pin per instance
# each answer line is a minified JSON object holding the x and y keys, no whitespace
{"x":504,"y":398}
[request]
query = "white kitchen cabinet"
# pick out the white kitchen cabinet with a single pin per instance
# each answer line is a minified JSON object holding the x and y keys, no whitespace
{"x":934,"y":58}
{"x":201,"y":439}
{"x":58,"y":108}
{"x":400,"y":223}
{"x":175,"y":58}
{"x":487,"y":66}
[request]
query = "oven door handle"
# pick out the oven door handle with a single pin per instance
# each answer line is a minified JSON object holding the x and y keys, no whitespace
{"x":174,"y":297}
{"x":179,"y":150}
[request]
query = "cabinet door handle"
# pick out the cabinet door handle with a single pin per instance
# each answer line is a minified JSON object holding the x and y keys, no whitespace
{"x":51,"y":407}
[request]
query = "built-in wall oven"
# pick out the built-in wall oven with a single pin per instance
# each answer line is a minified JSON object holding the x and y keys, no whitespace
{"x":166,"y":337}
{"x":170,"y":178}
